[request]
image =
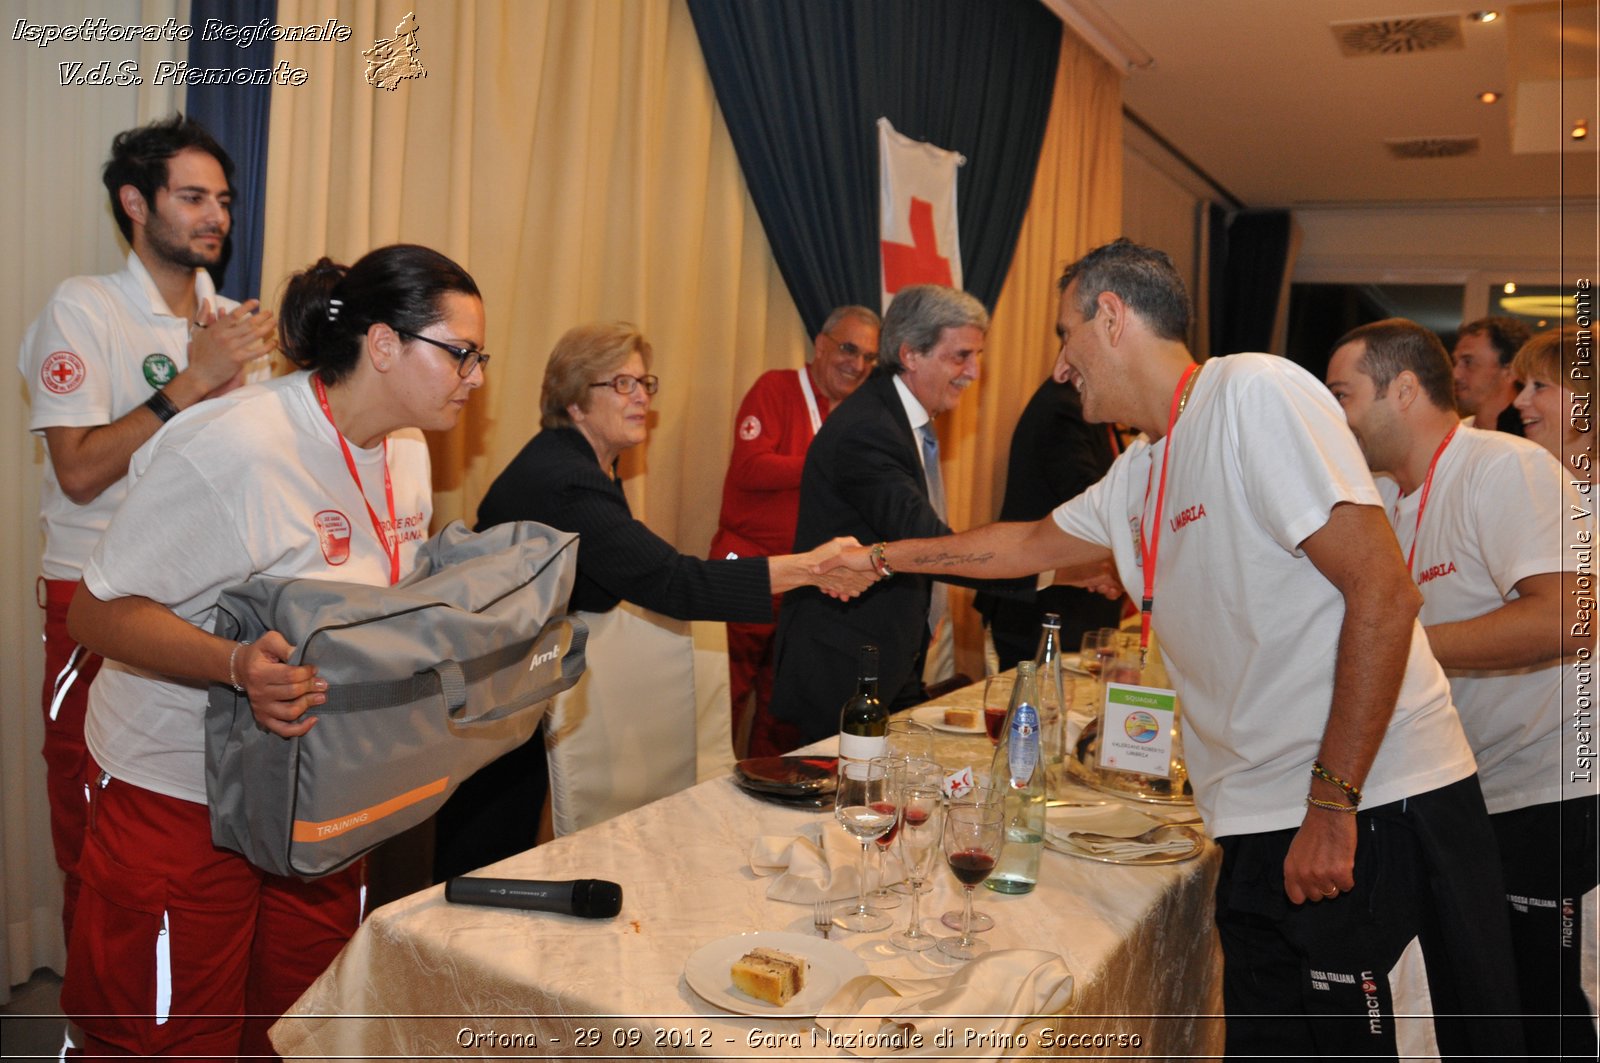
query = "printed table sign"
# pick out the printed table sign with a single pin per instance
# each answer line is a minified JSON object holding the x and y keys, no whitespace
{"x":1136,"y":729}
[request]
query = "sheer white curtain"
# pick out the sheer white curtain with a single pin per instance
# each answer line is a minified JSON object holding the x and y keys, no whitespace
{"x":56,"y":223}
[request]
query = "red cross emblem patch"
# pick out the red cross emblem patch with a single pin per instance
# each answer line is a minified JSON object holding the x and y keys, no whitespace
{"x":62,"y":372}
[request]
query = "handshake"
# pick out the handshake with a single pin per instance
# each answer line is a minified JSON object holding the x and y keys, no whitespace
{"x":840,"y":568}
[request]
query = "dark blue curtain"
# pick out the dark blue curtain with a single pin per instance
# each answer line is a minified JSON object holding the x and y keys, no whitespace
{"x":802,"y":84}
{"x":238,"y":116}
{"x":1254,"y":253}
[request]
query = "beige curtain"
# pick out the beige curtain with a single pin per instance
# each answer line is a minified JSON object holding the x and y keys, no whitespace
{"x":571,"y":155}
{"x":56,"y":223}
{"x":1076,"y":205}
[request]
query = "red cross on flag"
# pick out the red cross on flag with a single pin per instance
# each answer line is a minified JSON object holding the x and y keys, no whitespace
{"x":916,"y":212}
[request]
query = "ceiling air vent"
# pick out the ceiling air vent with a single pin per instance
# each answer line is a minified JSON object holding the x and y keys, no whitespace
{"x":1398,"y":36}
{"x":1431,"y":147}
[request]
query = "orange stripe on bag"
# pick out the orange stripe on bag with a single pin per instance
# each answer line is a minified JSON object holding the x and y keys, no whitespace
{"x":305,"y":831}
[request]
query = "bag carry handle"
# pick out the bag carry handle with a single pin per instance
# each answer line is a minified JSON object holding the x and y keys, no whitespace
{"x":449,"y":681}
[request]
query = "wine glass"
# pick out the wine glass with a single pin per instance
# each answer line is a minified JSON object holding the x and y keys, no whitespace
{"x":862,"y":787}
{"x":1099,"y":646}
{"x":956,"y":918}
{"x":915,"y":772}
{"x":909,"y":740}
{"x":996,"y":702}
{"x":921,"y":826}
{"x":881,"y":897}
{"x":972,"y":838}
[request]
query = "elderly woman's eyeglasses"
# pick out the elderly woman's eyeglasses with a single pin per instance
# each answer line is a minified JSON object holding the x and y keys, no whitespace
{"x":623,"y":384}
{"x":467,"y":358}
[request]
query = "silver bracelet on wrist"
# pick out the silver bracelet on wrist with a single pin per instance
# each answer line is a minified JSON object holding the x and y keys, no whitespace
{"x":233,"y":675}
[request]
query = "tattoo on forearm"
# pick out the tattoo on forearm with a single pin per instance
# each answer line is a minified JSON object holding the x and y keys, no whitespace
{"x":944,"y":560}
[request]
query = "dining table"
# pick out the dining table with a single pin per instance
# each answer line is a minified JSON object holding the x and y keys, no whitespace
{"x":424,"y":978}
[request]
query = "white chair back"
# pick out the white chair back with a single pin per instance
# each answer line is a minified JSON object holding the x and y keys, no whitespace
{"x":625,"y":735}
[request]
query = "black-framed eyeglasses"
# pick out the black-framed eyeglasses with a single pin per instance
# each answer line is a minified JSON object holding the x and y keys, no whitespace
{"x":850,"y":350}
{"x":623,"y":384}
{"x":467,"y":358}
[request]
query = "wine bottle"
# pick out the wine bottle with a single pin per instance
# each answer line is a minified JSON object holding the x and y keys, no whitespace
{"x":1052,"y":698}
{"x":1019,"y":772}
{"x":864,"y":722}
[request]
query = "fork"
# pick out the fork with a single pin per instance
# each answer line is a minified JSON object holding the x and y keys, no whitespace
{"x":822,"y":917}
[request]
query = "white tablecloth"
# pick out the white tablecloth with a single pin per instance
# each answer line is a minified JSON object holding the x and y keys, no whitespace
{"x":426,"y":979}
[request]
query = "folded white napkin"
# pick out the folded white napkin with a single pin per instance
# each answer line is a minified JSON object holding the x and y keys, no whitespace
{"x":1113,"y":819}
{"x":1104,"y":845}
{"x":818,"y":864}
{"x":1109,"y":830}
{"x":982,"y":1004}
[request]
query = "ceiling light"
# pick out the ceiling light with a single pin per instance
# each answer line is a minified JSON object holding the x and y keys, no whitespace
{"x":1488,"y":96}
{"x":1510,"y":288}
{"x":1485,"y":16}
{"x":1580,"y":129}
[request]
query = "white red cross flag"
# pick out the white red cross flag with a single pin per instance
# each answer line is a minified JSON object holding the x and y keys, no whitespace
{"x":919,"y":240}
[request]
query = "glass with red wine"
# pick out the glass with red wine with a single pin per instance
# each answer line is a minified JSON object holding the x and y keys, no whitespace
{"x":881,"y":897}
{"x":956,"y":918}
{"x":996,"y":700}
{"x":921,"y":828}
{"x":973,"y":835}
{"x":915,"y":771}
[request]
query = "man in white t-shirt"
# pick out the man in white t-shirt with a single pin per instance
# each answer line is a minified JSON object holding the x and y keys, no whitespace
{"x":1491,"y":531}
{"x":1248,"y":523}
{"x":107,"y":361}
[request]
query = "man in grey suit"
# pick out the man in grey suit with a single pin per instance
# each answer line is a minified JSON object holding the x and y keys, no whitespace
{"x":873,"y":472}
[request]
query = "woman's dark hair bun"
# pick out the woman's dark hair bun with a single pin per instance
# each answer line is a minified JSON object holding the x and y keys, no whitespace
{"x":327,"y":307}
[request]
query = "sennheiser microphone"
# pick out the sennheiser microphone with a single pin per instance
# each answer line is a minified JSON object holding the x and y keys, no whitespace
{"x":587,"y":898}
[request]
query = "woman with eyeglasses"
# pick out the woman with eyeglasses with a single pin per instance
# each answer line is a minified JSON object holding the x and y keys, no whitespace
{"x":179,"y":947}
{"x":593,"y":406}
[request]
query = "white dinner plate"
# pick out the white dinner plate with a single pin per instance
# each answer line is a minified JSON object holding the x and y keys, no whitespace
{"x":933,"y":716}
{"x":828,"y":966}
{"x":1063,"y":843}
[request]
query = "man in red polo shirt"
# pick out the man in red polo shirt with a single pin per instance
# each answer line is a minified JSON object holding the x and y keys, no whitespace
{"x":777,"y":420}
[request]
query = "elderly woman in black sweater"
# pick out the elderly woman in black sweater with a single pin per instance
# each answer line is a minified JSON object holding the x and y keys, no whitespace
{"x":594,"y":405}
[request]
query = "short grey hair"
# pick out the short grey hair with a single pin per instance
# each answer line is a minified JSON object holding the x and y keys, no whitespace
{"x":1142,"y":277}
{"x":919,"y":315}
{"x":842,"y":313}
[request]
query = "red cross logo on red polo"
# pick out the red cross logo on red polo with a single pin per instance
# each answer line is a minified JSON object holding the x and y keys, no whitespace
{"x":333,"y":533}
{"x":62,"y":372}
{"x":749,"y":428}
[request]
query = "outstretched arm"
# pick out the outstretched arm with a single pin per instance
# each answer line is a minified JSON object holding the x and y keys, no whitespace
{"x":994,"y":551}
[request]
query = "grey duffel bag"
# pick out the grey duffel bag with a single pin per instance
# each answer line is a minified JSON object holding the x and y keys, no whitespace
{"x":428,"y":681}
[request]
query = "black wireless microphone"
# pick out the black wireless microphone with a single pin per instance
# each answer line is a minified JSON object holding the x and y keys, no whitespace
{"x":587,"y":898}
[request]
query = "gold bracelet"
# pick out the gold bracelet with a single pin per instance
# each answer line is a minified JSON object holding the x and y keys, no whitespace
{"x":880,"y":564}
{"x":1330,"y":806}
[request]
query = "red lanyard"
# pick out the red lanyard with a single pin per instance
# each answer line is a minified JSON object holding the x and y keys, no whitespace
{"x":1422,"y":503}
{"x":1147,"y":551}
{"x":391,"y":543}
